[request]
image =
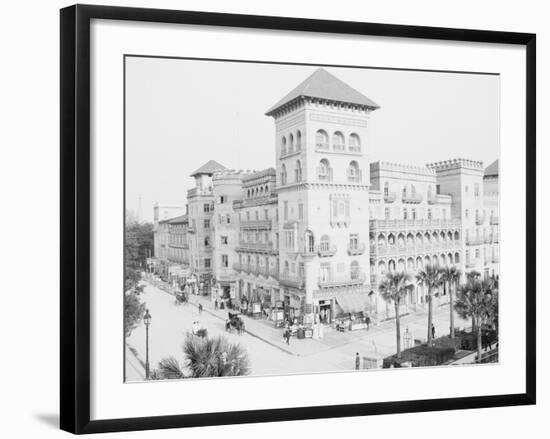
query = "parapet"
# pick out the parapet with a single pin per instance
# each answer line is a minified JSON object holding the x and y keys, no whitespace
{"x":458,"y":163}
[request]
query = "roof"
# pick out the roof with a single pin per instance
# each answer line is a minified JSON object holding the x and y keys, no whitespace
{"x":208,"y":168}
{"x":177,"y":220}
{"x":491,"y":170}
{"x":323,"y":85}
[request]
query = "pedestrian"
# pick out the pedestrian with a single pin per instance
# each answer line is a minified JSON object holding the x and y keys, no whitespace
{"x":433,"y":331}
{"x":286,"y":336}
{"x":357,"y":361}
{"x":200,"y":308}
{"x":216,"y":304}
{"x":367,"y":321}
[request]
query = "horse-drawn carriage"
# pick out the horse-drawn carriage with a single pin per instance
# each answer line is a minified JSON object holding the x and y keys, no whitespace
{"x":181,"y":298}
{"x":234,"y":322}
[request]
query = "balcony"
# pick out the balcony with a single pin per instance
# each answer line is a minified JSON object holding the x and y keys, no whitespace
{"x":197,"y":191}
{"x":256,"y":246}
{"x":414,"y":249}
{"x":324,"y":174}
{"x":414,"y":224}
{"x":291,"y":280}
{"x":472,"y":241}
{"x":412,"y":198}
{"x":354,"y":176}
{"x":494,"y":220}
{"x":338,"y":282}
{"x":256,"y":225}
{"x":389,"y":197}
{"x":356,"y":249}
{"x":327,"y":250}
{"x":432,"y":199}
{"x":480,"y":219}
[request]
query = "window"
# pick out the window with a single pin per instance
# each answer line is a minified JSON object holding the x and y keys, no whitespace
{"x":466,"y":213}
{"x":283,"y":174}
{"x":224,"y":240}
{"x":283,"y":146}
{"x":225,"y":261}
{"x":386,"y":189}
{"x":387,"y":213}
{"x":338,"y":143}
{"x":324,"y":170}
{"x":290,"y":143}
{"x":404,"y":213}
{"x":285,"y":210}
{"x":298,"y":172}
{"x":354,"y":143}
{"x":206,"y":208}
{"x":228,"y":218}
{"x":354,"y":241}
{"x":300,"y":211}
{"x":355,"y":270}
{"x":413,"y":190}
{"x":354,"y":173}
{"x":289,"y":239}
{"x":266,"y":214}
{"x":413,"y":214}
{"x":429,"y":214}
{"x":248,"y":216}
{"x":223,"y":199}
{"x":321,"y":139}
{"x":437,"y":189}
{"x":207,"y":263}
{"x":206,"y":241}
{"x":298,"y":140}
{"x":310,"y":242}
{"x":324,"y":244}
{"x":405,"y":191}
{"x":206,"y":223}
{"x":257,"y":214}
{"x":325,"y":272}
{"x":476,"y":190}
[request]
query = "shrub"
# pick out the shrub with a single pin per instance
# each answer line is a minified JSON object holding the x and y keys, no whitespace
{"x":442,"y":351}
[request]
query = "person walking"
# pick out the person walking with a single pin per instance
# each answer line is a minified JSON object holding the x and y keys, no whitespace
{"x":286,"y":336}
{"x":216,"y":304}
{"x":200,"y":308}
{"x":357,"y":361}
{"x":367,"y":321}
{"x":433,"y":332}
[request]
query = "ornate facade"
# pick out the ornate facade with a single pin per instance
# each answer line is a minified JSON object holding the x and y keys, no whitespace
{"x":316,"y":233}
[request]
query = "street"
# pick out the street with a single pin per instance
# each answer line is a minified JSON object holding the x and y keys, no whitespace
{"x":267,"y":351}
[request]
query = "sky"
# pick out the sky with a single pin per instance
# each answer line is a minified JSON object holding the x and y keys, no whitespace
{"x":181,"y":113}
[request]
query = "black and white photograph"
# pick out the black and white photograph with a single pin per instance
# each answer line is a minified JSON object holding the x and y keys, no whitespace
{"x":295,"y":219}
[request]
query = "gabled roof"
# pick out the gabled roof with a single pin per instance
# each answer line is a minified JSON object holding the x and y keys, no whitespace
{"x":492,"y":170}
{"x":208,"y":168}
{"x":178,"y":220}
{"x":323,"y":85}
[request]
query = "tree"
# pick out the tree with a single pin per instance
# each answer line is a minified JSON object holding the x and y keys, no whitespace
{"x":138,"y":246}
{"x":215,"y":357}
{"x":134,"y":309}
{"x":450,"y":276}
{"x":168,"y":369}
{"x":475,"y":299}
{"x":393,"y":288}
{"x":430,"y":277}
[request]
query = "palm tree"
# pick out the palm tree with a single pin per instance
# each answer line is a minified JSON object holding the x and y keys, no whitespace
{"x":475,"y":299}
{"x":431,"y":278}
{"x":215,"y":357}
{"x":168,"y":369}
{"x":450,"y":276}
{"x":393,"y":288}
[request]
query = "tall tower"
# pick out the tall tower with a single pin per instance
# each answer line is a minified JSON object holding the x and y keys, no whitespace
{"x":463,"y":180}
{"x":321,"y":134}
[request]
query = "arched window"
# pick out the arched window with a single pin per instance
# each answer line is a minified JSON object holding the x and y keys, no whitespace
{"x":298,"y":172}
{"x":321,"y":139}
{"x":324,"y":243}
{"x":338,"y":142}
{"x":324,"y":171}
{"x":355,"y":270}
{"x":298,"y":140}
{"x":283,"y":174}
{"x":283,"y":146}
{"x":290,"y":143}
{"x":310,"y":242}
{"x":354,"y":173}
{"x":354,"y":143}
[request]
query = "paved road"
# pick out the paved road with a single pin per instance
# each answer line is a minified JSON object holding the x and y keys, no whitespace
{"x":335,"y":352}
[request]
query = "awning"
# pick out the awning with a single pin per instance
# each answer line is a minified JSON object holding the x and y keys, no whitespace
{"x":353,"y":302}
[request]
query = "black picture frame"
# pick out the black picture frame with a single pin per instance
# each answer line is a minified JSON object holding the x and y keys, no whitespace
{"x":75,"y":217}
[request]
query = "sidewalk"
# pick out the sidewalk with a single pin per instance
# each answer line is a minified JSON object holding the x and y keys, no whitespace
{"x":133,"y":367}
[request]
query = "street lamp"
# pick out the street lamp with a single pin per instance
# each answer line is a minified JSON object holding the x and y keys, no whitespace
{"x":147,"y":321}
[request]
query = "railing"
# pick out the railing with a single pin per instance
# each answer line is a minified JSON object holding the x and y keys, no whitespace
{"x":356,"y":249}
{"x":472,"y":241}
{"x":325,"y":251}
{"x":331,"y":282}
{"x":322,"y":146}
{"x":389,"y":197}
{"x":355,"y":176}
{"x":324,"y":174}
{"x":290,"y":280}
{"x":480,"y":219}
{"x":417,"y":224}
{"x":256,"y":224}
{"x":494,"y":220}
{"x":256,"y":246}
{"x":412,"y":199}
{"x":413,"y":249}
{"x":199,"y":191}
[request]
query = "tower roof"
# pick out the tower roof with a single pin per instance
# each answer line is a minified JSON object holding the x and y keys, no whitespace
{"x":323,"y":85}
{"x":492,"y":170}
{"x":208,"y":168}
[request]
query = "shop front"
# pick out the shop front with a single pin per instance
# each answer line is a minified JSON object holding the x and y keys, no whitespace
{"x":345,"y":309}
